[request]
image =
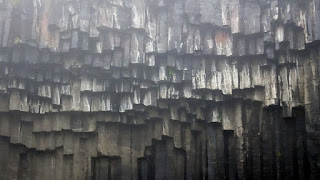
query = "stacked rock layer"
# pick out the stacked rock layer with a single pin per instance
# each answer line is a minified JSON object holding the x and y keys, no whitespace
{"x":159,"y":89}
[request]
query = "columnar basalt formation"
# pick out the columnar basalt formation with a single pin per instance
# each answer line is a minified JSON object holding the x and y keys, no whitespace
{"x":159,"y":89}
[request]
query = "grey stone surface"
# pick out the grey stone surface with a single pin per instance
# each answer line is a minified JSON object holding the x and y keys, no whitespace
{"x":159,"y":89}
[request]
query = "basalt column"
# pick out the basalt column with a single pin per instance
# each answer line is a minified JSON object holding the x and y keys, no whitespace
{"x":159,"y":89}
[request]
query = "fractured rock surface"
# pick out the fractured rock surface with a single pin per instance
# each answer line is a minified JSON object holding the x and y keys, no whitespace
{"x":159,"y":89}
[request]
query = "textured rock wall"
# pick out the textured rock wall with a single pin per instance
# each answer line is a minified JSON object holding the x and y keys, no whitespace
{"x":159,"y":89}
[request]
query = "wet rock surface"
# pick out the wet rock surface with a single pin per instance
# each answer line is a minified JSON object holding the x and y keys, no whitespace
{"x":159,"y":89}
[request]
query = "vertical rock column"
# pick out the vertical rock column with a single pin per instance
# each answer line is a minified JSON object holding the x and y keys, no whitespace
{"x":216,"y":151}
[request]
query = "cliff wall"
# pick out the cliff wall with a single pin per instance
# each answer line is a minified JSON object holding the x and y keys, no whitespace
{"x":159,"y":89}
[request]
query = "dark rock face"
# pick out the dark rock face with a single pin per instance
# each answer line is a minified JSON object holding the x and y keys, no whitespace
{"x":159,"y":89}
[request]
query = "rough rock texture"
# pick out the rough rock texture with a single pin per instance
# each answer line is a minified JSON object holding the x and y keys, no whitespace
{"x":159,"y":89}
